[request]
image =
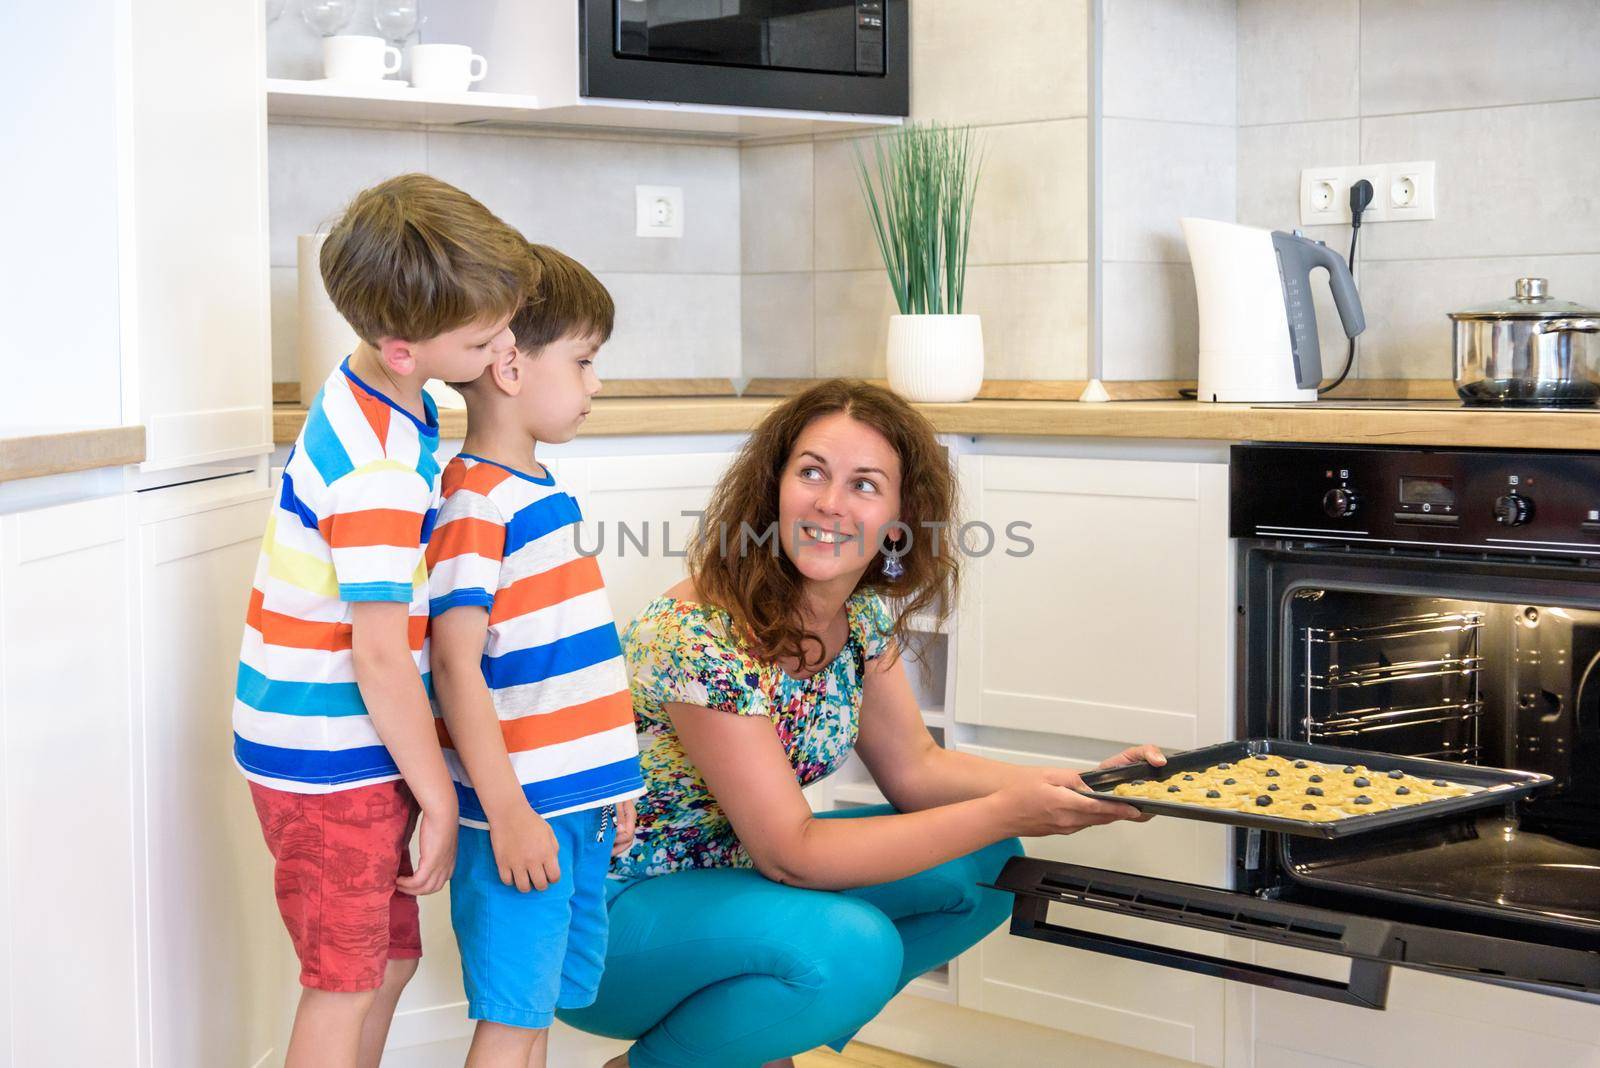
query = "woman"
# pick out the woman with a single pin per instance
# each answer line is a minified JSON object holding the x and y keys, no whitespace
{"x":745,"y":929}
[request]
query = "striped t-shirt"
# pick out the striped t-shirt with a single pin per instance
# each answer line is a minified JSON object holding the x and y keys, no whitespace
{"x":351,"y":523}
{"x":507,"y":541}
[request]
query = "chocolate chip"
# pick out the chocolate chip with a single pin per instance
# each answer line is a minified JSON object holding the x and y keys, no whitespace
{"x":1363,"y":799}
{"x":1299,"y":763}
{"x":1230,"y":782}
{"x":1272,"y":773}
{"x":1264,"y":800}
{"x":1362,"y":780}
{"x":1314,"y":791}
{"x":1402,"y":790}
{"x":1224,"y":766}
{"x":1397,"y":774}
{"x":1440,"y":782}
{"x":1272,"y":786}
{"x":1316,"y":778}
{"x":1348,"y":770}
{"x":1188,"y":778}
{"x":1172,"y":789}
{"x":1137,"y":782}
{"x":1212,"y":793}
{"x":1307,"y":807}
{"x":1261,"y":756}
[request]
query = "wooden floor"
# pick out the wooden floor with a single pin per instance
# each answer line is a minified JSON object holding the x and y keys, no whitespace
{"x":856,"y":1055}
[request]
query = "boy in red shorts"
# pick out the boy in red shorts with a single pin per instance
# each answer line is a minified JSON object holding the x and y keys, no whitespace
{"x":331,"y":719}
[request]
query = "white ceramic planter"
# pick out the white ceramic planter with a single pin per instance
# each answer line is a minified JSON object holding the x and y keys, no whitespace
{"x":936,"y":358}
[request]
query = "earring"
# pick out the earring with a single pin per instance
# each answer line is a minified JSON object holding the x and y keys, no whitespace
{"x":892,"y":567}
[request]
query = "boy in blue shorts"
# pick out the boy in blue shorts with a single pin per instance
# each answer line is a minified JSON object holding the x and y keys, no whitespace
{"x":537,"y":720}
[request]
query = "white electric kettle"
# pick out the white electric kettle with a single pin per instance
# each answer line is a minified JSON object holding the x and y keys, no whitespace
{"x":1258,"y":329}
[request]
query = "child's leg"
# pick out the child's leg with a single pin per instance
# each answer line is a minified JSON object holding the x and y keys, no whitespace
{"x":338,"y":856}
{"x":499,"y":1046}
{"x":405,"y":948}
{"x":375,"y":1029}
{"x":327,"y":1028}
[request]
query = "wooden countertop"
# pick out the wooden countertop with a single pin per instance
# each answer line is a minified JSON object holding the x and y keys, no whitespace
{"x":1363,"y":422}
{"x":34,"y":453}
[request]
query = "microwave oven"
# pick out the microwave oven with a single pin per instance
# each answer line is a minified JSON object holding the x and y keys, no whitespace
{"x":841,"y":56}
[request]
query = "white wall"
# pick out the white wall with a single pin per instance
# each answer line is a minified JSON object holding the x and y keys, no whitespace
{"x":1166,"y":151}
{"x":60,"y":348}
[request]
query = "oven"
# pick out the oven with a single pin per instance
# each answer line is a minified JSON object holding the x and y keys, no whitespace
{"x":849,"y":56}
{"x":1431,"y":603}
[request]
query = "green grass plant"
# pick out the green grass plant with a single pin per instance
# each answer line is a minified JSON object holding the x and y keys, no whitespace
{"x":919,"y":183}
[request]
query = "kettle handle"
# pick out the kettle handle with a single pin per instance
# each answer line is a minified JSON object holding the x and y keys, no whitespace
{"x":1297,"y":257}
{"x":1561,"y":326}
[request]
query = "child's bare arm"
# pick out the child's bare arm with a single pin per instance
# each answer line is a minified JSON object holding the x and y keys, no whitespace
{"x":391,"y":688}
{"x":525,"y":848}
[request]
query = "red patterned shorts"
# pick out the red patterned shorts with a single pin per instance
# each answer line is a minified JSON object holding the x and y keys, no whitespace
{"x":338,"y":856}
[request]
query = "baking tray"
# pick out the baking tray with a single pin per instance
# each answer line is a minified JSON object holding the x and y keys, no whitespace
{"x":1498,"y":786}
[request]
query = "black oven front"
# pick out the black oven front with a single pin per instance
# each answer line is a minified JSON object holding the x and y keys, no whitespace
{"x":1438,"y":603}
{"x":849,"y":56}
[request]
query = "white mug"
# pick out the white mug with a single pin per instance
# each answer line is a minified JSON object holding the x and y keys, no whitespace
{"x":356,"y":58}
{"x":446,"y":68}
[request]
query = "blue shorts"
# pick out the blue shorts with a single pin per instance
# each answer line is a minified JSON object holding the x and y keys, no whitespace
{"x":524,"y":955}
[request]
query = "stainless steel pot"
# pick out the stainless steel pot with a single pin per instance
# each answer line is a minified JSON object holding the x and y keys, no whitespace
{"x":1530,"y":350}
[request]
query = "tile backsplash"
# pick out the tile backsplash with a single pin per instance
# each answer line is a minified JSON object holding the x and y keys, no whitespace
{"x":1078,"y":267}
{"x":816,"y":300}
{"x":677,"y":300}
{"x":1505,"y":98}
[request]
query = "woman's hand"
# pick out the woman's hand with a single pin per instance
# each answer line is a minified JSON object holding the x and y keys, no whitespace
{"x":1147,"y":753}
{"x":1048,"y":801}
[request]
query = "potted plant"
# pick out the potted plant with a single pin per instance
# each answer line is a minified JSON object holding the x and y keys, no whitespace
{"x":919,"y":186}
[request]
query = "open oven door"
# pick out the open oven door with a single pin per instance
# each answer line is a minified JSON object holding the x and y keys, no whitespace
{"x":1372,"y":943}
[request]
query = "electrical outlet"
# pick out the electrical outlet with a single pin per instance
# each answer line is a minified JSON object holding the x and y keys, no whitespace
{"x":1325,"y":195}
{"x":658,"y":210}
{"x":1409,"y":192}
{"x":1400,"y":191}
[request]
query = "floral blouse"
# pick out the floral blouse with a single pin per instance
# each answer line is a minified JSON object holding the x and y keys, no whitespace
{"x":683,"y":651}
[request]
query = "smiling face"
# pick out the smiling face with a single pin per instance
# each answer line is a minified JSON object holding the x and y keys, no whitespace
{"x":838,"y":493}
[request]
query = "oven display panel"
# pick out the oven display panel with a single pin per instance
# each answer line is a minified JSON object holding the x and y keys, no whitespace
{"x":1427,"y":494}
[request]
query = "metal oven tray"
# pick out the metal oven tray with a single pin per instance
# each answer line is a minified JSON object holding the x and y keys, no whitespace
{"x":1498,"y":786}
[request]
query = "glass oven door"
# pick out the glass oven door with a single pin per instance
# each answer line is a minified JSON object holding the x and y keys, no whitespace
{"x":1477,"y":660}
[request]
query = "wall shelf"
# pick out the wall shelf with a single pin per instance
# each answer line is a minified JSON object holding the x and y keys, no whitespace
{"x":292,"y":98}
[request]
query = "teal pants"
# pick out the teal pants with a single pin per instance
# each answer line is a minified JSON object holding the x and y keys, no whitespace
{"x":723,"y":968}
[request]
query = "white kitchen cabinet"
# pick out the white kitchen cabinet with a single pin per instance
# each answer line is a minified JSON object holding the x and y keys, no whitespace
{"x":1112,"y":628}
{"x":69,"y":983}
{"x":1116,"y":625}
{"x":1161,"y":1010}
{"x":633,"y":512}
{"x":218,"y":977}
{"x":192,"y":232}
{"x":1430,"y":1019}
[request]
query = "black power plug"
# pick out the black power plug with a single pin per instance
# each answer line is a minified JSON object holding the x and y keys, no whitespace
{"x":1360,"y":198}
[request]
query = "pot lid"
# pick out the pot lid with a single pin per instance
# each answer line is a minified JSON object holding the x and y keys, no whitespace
{"x":1530,"y":301}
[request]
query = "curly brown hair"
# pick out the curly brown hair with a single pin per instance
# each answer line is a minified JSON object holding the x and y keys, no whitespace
{"x":762,"y":591}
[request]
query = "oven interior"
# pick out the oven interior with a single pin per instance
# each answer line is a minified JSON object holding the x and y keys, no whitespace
{"x":1490,"y":680}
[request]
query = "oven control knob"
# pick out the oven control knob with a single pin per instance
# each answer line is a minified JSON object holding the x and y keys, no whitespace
{"x":1513,"y":510}
{"x":1341,"y":503}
